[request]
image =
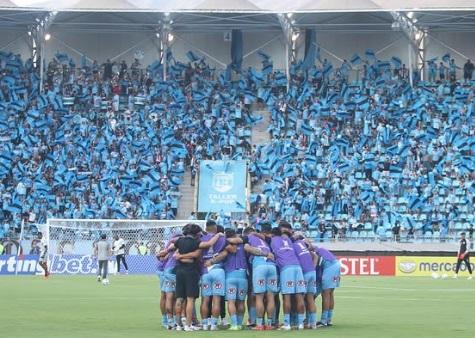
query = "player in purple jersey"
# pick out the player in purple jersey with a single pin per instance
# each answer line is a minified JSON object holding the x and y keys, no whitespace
{"x":160,"y":267}
{"x":308,"y":261}
{"x":169,"y":272}
{"x":251,"y":297}
{"x":212,"y":277}
{"x":292,"y":282}
{"x":235,"y":267}
{"x":264,"y":274}
{"x":330,"y":267}
{"x":169,"y":280}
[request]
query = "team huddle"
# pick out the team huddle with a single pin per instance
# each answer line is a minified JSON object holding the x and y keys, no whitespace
{"x":255,"y":266}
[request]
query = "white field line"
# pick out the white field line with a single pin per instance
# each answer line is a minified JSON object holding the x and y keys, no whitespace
{"x":407,"y":289}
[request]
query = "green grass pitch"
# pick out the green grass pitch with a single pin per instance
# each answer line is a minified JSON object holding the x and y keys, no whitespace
{"x":67,"y":306}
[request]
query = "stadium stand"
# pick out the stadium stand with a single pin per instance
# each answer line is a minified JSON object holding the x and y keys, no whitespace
{"x":374,"y":158}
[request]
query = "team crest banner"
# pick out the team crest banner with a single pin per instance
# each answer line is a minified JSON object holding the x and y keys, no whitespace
{"x":222,"y":186}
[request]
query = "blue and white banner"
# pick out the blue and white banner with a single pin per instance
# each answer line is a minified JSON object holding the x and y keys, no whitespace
{"x":73,"y":264}
{"x":222,"y":186}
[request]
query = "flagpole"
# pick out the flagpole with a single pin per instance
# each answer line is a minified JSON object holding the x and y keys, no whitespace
{"x":409,"y":48}
{"x":19,"y":249}
{"x":164,"y":57}
{"x":42,"y":63}
{"x":287,"y":66}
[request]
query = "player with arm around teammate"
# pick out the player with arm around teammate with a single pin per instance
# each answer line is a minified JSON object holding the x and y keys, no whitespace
{"x":213,"y":276}
{"x":163,"y":296}
{"x":188,"y":255}
{"x":235,"y":267}
{"x":264,"y":274}
{"x":168,"y":280}
{"x":187,"y":271}
{"x":292,"y":281}
{"x":307,"y":259}
{"x":330,"y":275}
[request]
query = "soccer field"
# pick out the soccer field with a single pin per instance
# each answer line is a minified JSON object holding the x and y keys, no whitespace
{"x":365,"y":307}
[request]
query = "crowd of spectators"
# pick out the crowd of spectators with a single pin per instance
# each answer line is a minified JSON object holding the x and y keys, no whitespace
{"x":374,"y":158}
{"x":366,"y":157}
{"x":108,"y":141}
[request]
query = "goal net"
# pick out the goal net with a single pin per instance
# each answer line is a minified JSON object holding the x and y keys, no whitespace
{"x":71,"y":242}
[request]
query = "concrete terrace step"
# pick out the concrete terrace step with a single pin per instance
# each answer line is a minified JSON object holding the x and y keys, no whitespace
{"x":260,"y":135}
{"x":186,"y":203}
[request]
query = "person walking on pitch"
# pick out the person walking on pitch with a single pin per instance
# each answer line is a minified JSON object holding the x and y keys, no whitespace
{"x":102,"y":251}
{"x":463,"y":255}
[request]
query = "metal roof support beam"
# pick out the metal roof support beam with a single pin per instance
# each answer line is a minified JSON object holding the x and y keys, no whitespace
{"x":40,"y":32}
{"x":166,"y":35}
{"x":407,"y":23}
{"x":290,"y":36}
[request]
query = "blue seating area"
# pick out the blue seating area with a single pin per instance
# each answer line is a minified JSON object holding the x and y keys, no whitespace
{"x":370,"y":159}
{"x":109,"y":144}
{"x":374,"y":158}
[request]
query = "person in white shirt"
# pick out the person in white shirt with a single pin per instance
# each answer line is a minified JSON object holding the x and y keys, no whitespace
{"x":43,"y":246}
{"x":119,"y":250}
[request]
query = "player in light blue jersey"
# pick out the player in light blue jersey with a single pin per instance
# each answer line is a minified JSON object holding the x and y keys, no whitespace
{"x":264,"y":274}
{"x":160,"y":266}
{"x":235,"y":267}
{"x":168,"y":280}
{"x":330,"y":267}
{"x":308,"y":260}
{"x":292,"y":282}
{"x":213,"y":277}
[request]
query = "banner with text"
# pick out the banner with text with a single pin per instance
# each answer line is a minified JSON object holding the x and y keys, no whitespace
{"x":73,"y":264}
{"x":426,"y":266}
{"x":350,"y":265}
{"x":222,"y":186}
{"x":367,"y":265}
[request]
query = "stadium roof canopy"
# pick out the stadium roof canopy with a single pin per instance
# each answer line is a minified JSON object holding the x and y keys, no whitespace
{"x":251,"y":15}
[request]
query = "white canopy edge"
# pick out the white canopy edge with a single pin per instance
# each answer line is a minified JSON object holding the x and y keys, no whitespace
{"x":239,"y":6}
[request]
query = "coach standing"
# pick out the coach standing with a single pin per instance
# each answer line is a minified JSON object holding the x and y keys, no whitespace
{"x":463,"y":255}
{"x":187,"y":273}
{"x":119,"y":249}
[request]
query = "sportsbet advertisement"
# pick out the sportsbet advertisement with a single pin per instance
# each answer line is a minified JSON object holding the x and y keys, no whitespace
{"x":410,"y":266}
{"x":426,"y":266}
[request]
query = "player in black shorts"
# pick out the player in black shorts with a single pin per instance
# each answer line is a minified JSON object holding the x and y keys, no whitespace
{"x":187,"y":271}
{"x":463,"y":255}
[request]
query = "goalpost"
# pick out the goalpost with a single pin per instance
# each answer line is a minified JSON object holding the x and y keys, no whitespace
{"x":71,"y":242}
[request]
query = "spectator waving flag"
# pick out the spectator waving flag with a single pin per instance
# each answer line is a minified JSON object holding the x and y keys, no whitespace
{"x":306,"y":129}
{"x":355,"y":59}
{"x":62,"y":58}
{"x":263,"y":56}
{"x":370,"y":55}
{"x":396,"y":62}
{"x":192,"y":56}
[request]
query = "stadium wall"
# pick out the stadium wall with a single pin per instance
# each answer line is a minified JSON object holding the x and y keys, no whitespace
{"x":459,"y":41}
{"x":101,"y":46}
{"x":345,"y":44}
{"x":334,"y":45}
{"x":270,"y":42}
{"x":351,"y":265}
{"x":15,"y":41}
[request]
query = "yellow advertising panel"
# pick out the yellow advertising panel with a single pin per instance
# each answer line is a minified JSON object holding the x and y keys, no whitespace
{"x":426,"y":266}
